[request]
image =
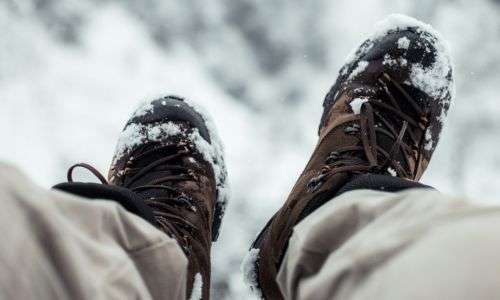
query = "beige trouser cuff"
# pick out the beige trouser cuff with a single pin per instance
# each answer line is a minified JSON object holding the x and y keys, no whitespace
{"x":57,"y":246}
{"x":416,"y":244}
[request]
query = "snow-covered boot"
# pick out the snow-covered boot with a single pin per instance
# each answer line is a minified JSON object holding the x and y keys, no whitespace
{"x":168,"y":169}
{"x":170,"y":154}
{"x":384,"y":115}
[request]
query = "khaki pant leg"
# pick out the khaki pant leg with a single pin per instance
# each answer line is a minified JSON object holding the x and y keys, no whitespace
{"x":58,"y":246}
{"x":416,"y":244}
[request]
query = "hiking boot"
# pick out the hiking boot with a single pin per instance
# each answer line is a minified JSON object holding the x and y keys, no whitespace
{"x":170,"y":155}
{"x":384,"y":115}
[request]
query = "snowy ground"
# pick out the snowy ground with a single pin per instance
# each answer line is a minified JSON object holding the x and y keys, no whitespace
{"x":71,"y":72}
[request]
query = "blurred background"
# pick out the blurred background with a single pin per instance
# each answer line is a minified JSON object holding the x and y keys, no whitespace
{"x":71,"y":72}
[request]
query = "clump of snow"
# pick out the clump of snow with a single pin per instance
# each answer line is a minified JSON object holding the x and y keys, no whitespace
{"x":404,"y":43}
{"x":196,"y":293}
{"x":356,"y":104}
{"x":392,"y":172}
{"x":389,"y":61}
{"x":360,"y":68}
{"x":213,"y":153}
{"x":135,"y":134}
{"x":399,"y":22}
{"x":429,"y":143}
{"x":169,"y":129}
{"x":357,"y":53}
{"x":432,"y":80}
{"x":143,"y":109}
{"x":250,"y":273}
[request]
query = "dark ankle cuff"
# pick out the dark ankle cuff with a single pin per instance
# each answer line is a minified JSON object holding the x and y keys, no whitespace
{"x":380,"y":183}
{"x":131,"y":201}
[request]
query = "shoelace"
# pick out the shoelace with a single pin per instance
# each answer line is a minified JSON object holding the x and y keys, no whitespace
{"x":165,"y":208}
{"x":364,"y":124}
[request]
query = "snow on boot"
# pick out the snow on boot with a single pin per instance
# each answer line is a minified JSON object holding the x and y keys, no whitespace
{"x":384,"y":115}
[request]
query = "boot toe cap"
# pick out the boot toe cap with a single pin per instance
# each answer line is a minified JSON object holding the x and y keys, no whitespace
{"x":170,"y":109}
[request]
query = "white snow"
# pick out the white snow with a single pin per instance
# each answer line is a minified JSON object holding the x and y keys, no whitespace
{"x":356,"y":104}
{"x":143,"y":109}
{"x":356,"y":53}
{"x":135,"y":134}
{"x":196,"y":293}
{"x":213,"y":152}
{"x":432,"y":80}
{"x":404,"y":43}
{"x":249,"y":272}
{"x":429,"y":143}
{"x":400,"y":22}
{"x":359,"y":69}
{"x":392,"y":172}
{"x":389,"y":61}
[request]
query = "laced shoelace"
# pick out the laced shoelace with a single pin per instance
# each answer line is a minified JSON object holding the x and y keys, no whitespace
{"x":167,"y":207}
{"x":364,"y":125}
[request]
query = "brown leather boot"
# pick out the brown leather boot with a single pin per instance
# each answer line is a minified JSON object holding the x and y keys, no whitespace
{"x":384,"y":115}
{"x":170,"y":155}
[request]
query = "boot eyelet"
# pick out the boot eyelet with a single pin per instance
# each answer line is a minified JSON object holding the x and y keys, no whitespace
{"x":315,"y":183}
{"x":334,"y":156}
